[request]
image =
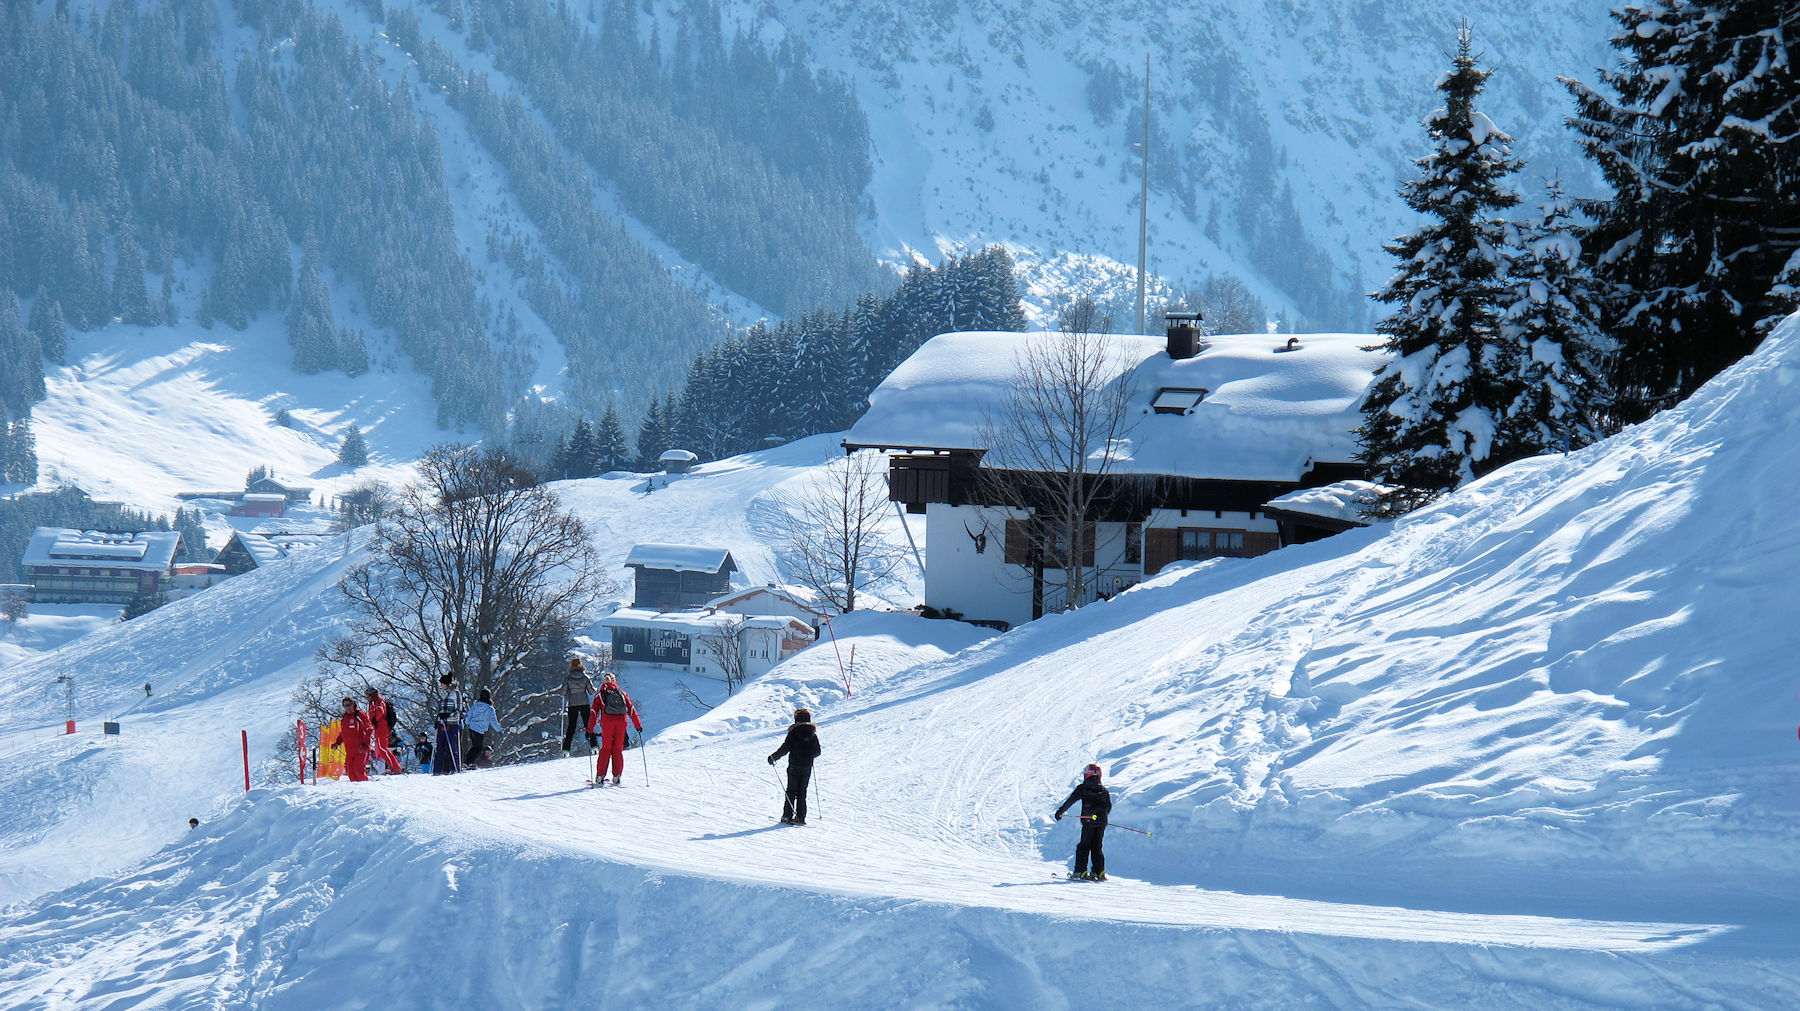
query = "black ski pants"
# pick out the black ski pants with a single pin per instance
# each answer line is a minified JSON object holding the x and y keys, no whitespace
{"x":1091,"y":834}
{"x":794,"y":807}
{"x":577,"y":719}
{"x":476,"y":743}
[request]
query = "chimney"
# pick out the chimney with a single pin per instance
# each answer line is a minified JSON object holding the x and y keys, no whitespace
{"x":1184,"y":334}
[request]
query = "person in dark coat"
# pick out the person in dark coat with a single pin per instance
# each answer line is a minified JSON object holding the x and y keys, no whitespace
{"x":446,"y":752}
{"x":422,"y":752}
{"x":801,"y":746}
{"x":577,"y":692}
{"x":1096,"y":804}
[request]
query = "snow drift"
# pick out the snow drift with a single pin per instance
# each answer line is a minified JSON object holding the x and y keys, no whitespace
{"x":1529,"y":746}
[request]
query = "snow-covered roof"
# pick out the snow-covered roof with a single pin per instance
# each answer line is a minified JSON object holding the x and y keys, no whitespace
{"x":680,"y":557}
{"x":1268,"y":413}
{"x":151,"y":550}
{"x":257,"y":496}
{"x":799,"y":596}
{"x":266,"y":548}
{"x":1333,"y":501}
{"x":696,"y":622}
{"x":678,"y":455}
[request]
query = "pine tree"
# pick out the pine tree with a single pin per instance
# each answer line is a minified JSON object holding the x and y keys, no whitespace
{"x":1553,"y":318}
{"x":47,"y":323}
{"x":650,"y":436}
{"x":21,"y":459}
{"x":352,"y":352}
{"x":1432,"y":419}
{"x":355,"y":451}
{"x":611,"y":447}
{"x":1698,"y":142}
{"x":581,"y":453}
{"x":130,"y":298}
{"x":21,"y":361}
{"x":310,"y":331}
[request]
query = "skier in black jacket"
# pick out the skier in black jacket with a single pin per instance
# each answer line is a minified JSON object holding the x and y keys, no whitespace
{"x":800,"y":747}
{"x":1096,"y":803}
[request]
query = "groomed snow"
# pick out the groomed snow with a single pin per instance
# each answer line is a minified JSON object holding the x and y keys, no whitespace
{"x":1532,"y":746}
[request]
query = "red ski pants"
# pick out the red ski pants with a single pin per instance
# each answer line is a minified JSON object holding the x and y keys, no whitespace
{"x":612,"y":745}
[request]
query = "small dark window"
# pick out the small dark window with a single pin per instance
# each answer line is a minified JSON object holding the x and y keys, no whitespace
{"x":1134,"y":544}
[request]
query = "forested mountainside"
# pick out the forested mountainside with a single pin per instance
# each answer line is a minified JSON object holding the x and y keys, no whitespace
{"x":579,"y":197}
{"x":160,"y":160}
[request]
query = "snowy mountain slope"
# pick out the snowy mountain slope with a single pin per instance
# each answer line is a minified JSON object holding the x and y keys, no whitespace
{"x":1529,"y":746}
{"x":1014,"y":122}
{"x":143,"y":414}
{"x":217,"y":663}
{"x":227,"y":659}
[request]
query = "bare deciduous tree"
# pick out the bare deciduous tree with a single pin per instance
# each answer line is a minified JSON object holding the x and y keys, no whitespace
{"x":1053,"y":442}
{"x":831,"y":531}
{"x":475,"y":567}
{"x":726,"y":643}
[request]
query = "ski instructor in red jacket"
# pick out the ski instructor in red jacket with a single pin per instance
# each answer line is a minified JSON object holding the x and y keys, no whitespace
{"x":353,"y":730}
{"x":611,"y":707}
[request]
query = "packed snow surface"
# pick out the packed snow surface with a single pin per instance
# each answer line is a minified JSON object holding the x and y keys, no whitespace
{"x":1532,"y":746}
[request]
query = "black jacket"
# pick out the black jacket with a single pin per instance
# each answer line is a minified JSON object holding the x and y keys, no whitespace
{"x":1096,"y":801}
{"x":801,"y":745}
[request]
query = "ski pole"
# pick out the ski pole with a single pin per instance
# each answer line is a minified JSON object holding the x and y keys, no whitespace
{"x":1113,"y":824}
{"x":818,"y":793}
{"x":646,"y":758}
{"x":781,"y":788}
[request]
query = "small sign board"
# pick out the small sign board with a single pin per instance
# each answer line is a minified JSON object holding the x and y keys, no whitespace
{"x":110,"y":728}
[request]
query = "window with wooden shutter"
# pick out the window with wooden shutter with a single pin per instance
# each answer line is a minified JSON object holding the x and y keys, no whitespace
{"x":1018,"y":542}
{"x":1160,"y":546}
{"x":1257,"y":542}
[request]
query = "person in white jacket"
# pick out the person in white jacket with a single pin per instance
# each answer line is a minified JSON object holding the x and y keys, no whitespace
{"x":478,"y":722}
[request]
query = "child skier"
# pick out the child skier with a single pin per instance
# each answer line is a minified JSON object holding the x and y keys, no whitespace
{"x":1096,"y":803}
{"x":480,"y":720}
{"x":611,"y":707}
{"x":800,"y":746}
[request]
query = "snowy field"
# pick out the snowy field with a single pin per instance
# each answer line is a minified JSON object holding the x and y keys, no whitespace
{"x":1530,"y":747}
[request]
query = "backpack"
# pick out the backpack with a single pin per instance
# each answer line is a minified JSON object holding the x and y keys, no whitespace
{"x":393,"y":720}
{"x":612,"y":702}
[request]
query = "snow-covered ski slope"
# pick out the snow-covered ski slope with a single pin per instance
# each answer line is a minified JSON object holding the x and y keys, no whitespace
{"x":227,"y":659}
{"x":1532,"y":746}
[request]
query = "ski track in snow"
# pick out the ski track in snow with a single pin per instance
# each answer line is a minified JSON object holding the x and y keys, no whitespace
{"x":1528,"y":747}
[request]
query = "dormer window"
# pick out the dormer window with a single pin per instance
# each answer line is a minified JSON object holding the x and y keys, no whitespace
{"x":1177,"y":399}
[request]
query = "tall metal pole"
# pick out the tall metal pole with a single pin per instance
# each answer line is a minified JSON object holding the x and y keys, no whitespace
{"x":1144,"y":199}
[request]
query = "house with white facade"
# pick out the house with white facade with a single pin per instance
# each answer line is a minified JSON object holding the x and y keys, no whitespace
{"x":98,"y":567}
{"x":710,"y":643}
{"x":1215,"y":432}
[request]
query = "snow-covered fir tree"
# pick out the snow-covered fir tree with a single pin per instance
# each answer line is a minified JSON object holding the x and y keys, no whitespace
{"x":1432,"y":420}
{"x":19,"y":461}
{"x":21,"y":361}
{"x":611,"y":448}
{"x":310,"y":331}
{"x":1552,"y":316}
{"x":47,"y":323}
{"x":354,"y":452}
{"x":1698,"y":133}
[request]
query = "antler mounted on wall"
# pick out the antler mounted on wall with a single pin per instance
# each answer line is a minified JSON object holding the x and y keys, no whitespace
{"x":980,"y":539}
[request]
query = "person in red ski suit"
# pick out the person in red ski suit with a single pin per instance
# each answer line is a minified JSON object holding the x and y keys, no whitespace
{"x":611,"y":707}
{"x":353,"y":732}
{"x":379,"y":747}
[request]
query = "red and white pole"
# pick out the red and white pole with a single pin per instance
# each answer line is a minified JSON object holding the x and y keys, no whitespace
{"x":300,"y":749}
{"x":244,"y":735}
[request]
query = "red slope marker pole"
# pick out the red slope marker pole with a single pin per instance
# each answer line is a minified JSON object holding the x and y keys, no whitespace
{"x":244,"y":735}
{"x":300,"y":748}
